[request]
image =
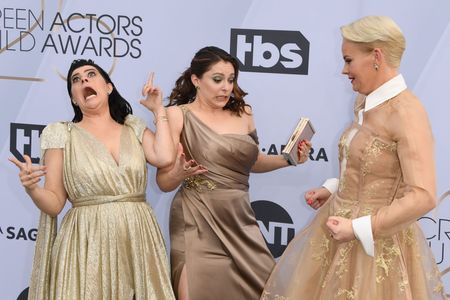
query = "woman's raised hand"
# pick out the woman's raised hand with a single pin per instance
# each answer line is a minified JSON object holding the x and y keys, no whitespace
{"x":152,"y":94}
{"x":183,"y":168}
{"x":29,"y":174}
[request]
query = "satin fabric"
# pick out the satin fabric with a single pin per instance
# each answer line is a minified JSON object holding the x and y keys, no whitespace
{"x":109,"y":245}
{"x":390,"y":175}
{"x":213,"y":228}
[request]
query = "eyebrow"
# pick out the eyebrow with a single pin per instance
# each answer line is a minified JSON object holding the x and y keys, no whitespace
{"x":214,"y":74}
{"x":77,"y":73}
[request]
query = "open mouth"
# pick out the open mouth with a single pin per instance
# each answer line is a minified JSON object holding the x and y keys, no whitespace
{"x":89,"y":92}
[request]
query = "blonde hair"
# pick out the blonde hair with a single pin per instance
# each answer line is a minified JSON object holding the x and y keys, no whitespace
{"x":377,"y":32}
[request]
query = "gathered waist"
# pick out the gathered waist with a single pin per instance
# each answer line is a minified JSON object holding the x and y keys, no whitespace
{"x":104,"y":199}
{"x":204,"y":184}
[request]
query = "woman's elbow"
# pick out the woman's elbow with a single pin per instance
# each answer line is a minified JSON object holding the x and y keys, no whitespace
{"x":52,"y":214}
{"x":431,"y":203}
{"x":256,"y":168}
{"x":163,"y":161}
{"x":164,"y":186}
{"x":427,"y":205}
{"x":53,"y":211}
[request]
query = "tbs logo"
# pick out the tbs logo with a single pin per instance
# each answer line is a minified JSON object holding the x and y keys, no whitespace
{"x":25,"y":140}
{"x":270,"y":51}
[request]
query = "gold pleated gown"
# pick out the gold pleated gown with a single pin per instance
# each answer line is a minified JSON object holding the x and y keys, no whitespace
{"x":109,"y":245}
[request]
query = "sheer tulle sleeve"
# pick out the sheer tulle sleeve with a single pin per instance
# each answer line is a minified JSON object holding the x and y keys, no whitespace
{"x":410,"y":127}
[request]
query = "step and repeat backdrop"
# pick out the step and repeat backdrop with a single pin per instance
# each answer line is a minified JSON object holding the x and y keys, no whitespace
{"x":291,"y":65}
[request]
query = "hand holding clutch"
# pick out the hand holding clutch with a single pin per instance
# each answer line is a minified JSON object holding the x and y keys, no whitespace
{"x":304,"y":131}
{"x":303,"y":149}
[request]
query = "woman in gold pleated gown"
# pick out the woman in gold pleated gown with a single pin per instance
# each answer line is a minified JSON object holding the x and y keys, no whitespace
{"x":364,"y":242}
{"x":217,"y":250}
{"x":109,"y":245}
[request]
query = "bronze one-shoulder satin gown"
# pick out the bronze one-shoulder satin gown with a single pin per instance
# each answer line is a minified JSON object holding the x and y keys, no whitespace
{"x":212,"y":225}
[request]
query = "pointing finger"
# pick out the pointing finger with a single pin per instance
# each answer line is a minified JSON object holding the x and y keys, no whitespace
{"x":28,"y":163}
{"x":16,"y":162}
{"x":150,"y":78}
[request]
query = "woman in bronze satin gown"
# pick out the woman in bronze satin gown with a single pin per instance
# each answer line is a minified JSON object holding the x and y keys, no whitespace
{"x":364,"y":242}
{"x":217,"y":250}
{"x":109,"y":245}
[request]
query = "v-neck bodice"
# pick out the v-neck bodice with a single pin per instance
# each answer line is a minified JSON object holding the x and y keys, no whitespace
{"x":102,"y":145}
{"x":89,"y":168}
{"x":110,"y":236}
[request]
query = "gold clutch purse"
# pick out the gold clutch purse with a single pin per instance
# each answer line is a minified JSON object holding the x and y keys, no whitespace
{"x":303,"y":131}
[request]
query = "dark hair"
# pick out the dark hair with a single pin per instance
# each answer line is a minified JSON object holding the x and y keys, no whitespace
{"x":184,"y":90}
{"x":119,"y":108}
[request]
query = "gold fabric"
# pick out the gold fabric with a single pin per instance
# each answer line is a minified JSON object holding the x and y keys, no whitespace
{"x":109,"y":245}
{"x":212,"y":225}
{"x":390,"y":174}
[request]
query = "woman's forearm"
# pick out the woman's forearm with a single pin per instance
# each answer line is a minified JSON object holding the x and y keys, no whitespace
{"x":267,"y":163}
{"x":46,"y":200}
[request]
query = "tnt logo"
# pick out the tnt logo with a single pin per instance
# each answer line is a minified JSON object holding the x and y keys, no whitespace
{"x":23,"y":295}
{"x":25,"y":140}
{"x":275,"y":224}
{"x":270,"y":51}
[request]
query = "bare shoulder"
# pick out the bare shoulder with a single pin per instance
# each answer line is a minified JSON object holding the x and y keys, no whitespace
{"x":248,"y":117}
{"x":174,"y":112}
{"x":175,"y":116}
{"x":248,"y":110}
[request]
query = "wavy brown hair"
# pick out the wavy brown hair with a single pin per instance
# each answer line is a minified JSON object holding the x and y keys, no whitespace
{"x":185,"y":92}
